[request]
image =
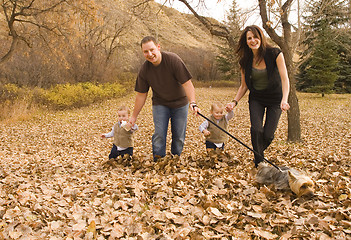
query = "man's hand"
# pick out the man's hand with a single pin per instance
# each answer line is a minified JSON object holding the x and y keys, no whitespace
{"x":194,"y":107}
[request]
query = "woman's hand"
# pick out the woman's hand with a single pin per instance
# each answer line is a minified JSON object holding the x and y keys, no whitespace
{"x":230,"y":106}
{"x":284,"y":106}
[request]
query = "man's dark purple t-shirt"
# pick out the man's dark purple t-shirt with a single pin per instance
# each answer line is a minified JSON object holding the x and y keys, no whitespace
{"x":165,"y":80}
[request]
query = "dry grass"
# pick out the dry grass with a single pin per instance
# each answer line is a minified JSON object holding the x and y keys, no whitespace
{"x":20,"y":110}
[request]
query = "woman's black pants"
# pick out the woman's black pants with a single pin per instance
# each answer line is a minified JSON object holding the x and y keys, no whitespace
{"x":262,"y":130}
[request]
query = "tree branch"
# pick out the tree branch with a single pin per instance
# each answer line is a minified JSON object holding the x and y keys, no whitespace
{"x":13,"y":12}
{"x":215,"y":29}
{"x":267,"y":24}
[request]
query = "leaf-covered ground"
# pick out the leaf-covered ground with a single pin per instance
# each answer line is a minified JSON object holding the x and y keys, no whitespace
{"x":55,"y":182}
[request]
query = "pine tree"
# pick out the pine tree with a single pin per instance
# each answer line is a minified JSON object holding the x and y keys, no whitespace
{"x":321,"y":67}
{"x":343,"y":83}
{"x":227,"y":62}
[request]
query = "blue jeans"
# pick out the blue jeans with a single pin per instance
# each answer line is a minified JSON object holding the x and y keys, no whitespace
{"x":162,"y":115}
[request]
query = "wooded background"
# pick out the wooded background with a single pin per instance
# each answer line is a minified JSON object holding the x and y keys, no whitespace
{"x":51,"y":42}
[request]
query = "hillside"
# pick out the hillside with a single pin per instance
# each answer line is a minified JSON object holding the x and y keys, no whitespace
{"x":101,"y":42}
{"x":178,"y":32}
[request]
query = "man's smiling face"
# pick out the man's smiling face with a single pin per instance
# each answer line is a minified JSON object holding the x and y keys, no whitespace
{"x":152,"y":52}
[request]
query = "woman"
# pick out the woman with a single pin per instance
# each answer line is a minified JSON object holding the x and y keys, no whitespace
{"x":263,"y":72}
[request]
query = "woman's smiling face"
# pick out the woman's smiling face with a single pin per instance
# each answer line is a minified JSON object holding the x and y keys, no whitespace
{"x":252,"y":41}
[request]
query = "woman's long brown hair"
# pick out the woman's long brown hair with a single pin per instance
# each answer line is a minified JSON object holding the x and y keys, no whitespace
{"x":243,"y":50}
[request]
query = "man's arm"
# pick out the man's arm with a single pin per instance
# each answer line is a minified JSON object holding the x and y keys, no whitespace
{"x":140,"y":99}
{"x":190,"y":93}
{"x":189,"y":90}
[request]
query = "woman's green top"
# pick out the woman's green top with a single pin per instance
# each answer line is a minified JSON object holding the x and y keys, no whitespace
{"x":259,"y":78}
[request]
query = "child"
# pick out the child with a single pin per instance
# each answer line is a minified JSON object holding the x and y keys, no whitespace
{"x":122,"y":132}
{"x":215,"y":137}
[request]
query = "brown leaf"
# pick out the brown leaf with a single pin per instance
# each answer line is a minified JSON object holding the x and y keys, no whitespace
{"x":265,"y":234}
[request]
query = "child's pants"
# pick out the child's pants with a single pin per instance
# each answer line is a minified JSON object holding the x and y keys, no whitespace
{"x":211,"y":145}
{"x":115,"y":153}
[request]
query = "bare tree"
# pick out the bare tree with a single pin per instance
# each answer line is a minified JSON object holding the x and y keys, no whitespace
{"x":19,"y":14}
{"x":27,"y":18}
{"x":93,"y":52}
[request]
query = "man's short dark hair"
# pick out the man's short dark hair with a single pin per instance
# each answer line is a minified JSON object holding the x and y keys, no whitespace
{"x":148,"y":39}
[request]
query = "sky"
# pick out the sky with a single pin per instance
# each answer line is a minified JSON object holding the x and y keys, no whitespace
{"x":218,"y":9}
{"x":214,"y":8}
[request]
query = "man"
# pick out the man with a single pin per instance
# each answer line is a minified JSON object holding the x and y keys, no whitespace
{"x":172,"y":90}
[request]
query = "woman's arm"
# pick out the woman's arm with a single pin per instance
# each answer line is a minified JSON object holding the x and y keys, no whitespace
{"x":284,"y":105}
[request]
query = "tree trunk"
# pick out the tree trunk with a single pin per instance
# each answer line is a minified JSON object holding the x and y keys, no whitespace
{"x":285,"y":43}
{"x":294,"y":127}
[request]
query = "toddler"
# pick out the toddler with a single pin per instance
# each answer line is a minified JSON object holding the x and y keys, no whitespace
{"x":122,"y":132}
{"x":215,"y":137}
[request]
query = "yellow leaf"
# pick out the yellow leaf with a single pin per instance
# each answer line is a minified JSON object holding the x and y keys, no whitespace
{"x":92,"y":229}
{"x":343,"y":197}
